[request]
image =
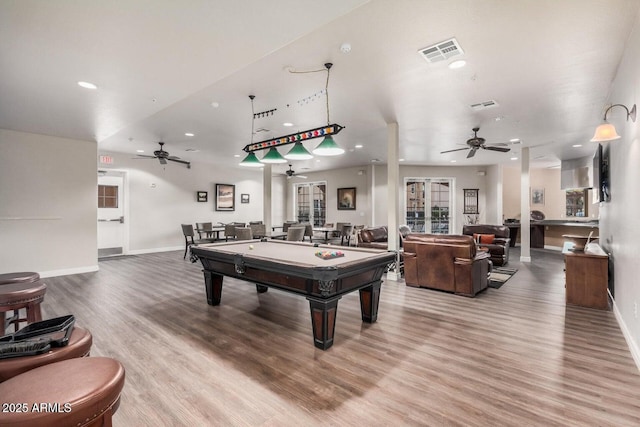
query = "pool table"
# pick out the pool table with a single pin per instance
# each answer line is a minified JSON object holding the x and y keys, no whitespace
{"x":294,"y":267}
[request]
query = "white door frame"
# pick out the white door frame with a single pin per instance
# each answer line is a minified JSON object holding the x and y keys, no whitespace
{"x":127,"y":204}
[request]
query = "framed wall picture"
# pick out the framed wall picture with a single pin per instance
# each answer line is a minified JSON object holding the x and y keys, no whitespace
{"x":537,"y":196}
{"x":346,"y":198}
{"x":244,"y":198}
{"x":225,"y":197}
{"x":202,"y":196}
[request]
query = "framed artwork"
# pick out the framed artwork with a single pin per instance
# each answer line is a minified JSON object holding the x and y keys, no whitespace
{"x":470,"y":201}
{"x":244,"y":198}
{"x":347,"y":199}
{"x":537,"y":196}
{"x":225,"y":197}
{"x":202,"y":196}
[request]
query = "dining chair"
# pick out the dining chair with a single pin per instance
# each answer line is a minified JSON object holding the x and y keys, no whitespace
{"x":229,"y":231}
{"x":345,"y":232}
{"x":288,"y":224}
{"x":206,"y":228}
{"x":295,"y":234}
{"x":258,"y":230}
{"x":243,"y":233}
{"x":187,"y":231}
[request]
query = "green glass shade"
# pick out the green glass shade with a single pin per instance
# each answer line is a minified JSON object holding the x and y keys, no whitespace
{"x":273,"y":156}
{"x":251,"y":161}
{"x":298,"y":152}
{"x":328,"y":147}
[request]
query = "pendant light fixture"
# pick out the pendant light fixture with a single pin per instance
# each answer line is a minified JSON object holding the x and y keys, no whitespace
{"x":251,"y":160}
{"x":607,"y":131}
{"x":298,"y":152}
{"x":328,"y":146}
{"x":273,"y":156}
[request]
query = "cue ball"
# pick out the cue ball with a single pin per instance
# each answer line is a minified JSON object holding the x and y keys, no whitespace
{"x":250,"y":246}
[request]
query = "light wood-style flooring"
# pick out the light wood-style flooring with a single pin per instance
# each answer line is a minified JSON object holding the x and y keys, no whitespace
{"x":515,"y":356}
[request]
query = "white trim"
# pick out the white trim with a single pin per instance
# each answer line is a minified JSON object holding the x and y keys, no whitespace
{"x":154,"y":250}
{"x":633,"y":346}
{"x":553,"y":248}
{"x":525,"y":259}
{"x":68,"y":271}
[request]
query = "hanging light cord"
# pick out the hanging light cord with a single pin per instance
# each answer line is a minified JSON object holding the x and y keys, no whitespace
{"x":327,"y":68}
{"x":253,"y":115}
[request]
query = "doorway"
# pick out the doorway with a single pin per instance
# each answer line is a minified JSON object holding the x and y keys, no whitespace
{"x":112,"y":225}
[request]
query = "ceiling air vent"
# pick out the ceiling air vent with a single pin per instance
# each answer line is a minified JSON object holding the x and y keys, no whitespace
{"x":262,"y":130}
{"x":441,"y":51}
{"x":484,"y":105}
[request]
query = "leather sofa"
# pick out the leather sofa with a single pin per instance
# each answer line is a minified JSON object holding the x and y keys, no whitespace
{"x":377,"y":237}
{"x":445,"y":262}
{"x":499,"y":247}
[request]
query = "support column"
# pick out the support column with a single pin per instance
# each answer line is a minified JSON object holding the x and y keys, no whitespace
{"x":393,"y":177}
{"x":525,"y":208}
{"x":266,"y":196}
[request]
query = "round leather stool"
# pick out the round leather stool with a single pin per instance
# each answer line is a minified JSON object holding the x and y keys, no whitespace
{"x":20,"y":277}
{"x":14,"y":296}
{"x":79,"y":346}
{"x":74,"y":392}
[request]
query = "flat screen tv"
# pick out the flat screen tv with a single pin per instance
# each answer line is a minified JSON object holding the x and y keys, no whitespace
{"x":600,"y":177}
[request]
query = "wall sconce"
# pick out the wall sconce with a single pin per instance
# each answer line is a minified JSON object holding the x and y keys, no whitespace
{"x":607,"y":131}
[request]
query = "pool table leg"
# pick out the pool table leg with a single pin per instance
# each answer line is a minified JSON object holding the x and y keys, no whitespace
{"x":323,"y":320}
{"x":261,"y":288}
{"x":213,"y":287}
{"x":369,"y":299}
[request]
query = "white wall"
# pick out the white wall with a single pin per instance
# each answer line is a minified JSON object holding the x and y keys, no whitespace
{"x":48,"y":204}
{"x":161,"y":197}
{"x":619,"y":230}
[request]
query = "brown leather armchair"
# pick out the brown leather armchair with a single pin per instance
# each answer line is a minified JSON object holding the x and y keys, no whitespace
{"x":499,"y":248}
{"x":446,"y":262}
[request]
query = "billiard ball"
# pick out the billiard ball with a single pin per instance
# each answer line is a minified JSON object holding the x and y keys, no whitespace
{"x":250,"y":246}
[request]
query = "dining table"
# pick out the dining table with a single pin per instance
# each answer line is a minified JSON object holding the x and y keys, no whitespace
{"x":326,"y":231}
{"x":209,"y":232}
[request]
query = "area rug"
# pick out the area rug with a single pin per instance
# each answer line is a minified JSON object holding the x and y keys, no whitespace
{"x":500,"y":275}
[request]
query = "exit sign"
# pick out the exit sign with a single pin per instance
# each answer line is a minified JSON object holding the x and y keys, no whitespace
{"x":106,"y":160}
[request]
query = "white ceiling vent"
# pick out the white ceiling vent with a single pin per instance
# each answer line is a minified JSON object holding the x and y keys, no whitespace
{"x":262,"y":130}
{"x":484,"y":105}
{"x":441,"y":51}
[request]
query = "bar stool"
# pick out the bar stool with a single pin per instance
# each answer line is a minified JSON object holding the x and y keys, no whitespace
{"x":18,"y":277}
{"x":14,"y":296}
{"x":76,"y":392}
{"x":79,"y":346}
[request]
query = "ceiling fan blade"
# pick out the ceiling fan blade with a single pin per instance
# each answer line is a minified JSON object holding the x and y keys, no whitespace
{"x":162,"y":161}
{"x":173,"y":158}
{"x":301,"y":176}
{"x":142,"y":156}
{"x":456,"y":149}
{"x":492,"y":148}
{"x":184,"y":162}
{"x":472,"y":152}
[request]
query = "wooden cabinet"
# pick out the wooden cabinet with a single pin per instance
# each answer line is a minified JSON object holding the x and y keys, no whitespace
{"x":587,"y":277}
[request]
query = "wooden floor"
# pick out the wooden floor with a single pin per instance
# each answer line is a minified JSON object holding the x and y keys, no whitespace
{"x":514,"y":356}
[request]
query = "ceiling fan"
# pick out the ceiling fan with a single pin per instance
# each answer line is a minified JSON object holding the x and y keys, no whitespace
{"x":291,"y":173}
{"x":475,"y":143}
{"x":163,"y":156}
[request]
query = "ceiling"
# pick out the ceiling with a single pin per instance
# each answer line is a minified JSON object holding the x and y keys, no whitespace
{"x":160,"y":65}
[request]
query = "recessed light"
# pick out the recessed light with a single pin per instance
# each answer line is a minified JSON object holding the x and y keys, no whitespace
{"x":497,"y":119}
{"x":189,"y":134}
{"x":214,"y":104}
{"x":287,"y":124}
{"x":454,"y":161}
{"x":139,"y":151}
{"x":401,"y":160}
{"x":576,"y":145}
{"x":457,"y":64}
{"x":345,"y":48}
{"x":514,"y":158}
{"x":514,"y":140}
{"x":236,"y":155}
{"x":87,"y":85}
{"x":359,"y":146}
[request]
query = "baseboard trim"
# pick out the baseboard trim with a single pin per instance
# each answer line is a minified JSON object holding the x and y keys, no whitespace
{"x":525,"y":259}
{"x":69,"y":271}
{"x":633,"y":346}
{"x":154,"y":250}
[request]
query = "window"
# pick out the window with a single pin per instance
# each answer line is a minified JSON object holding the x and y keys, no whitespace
{"x":311,"y":203}
{"x":107,"y":196}
{"x":428,"y":205}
